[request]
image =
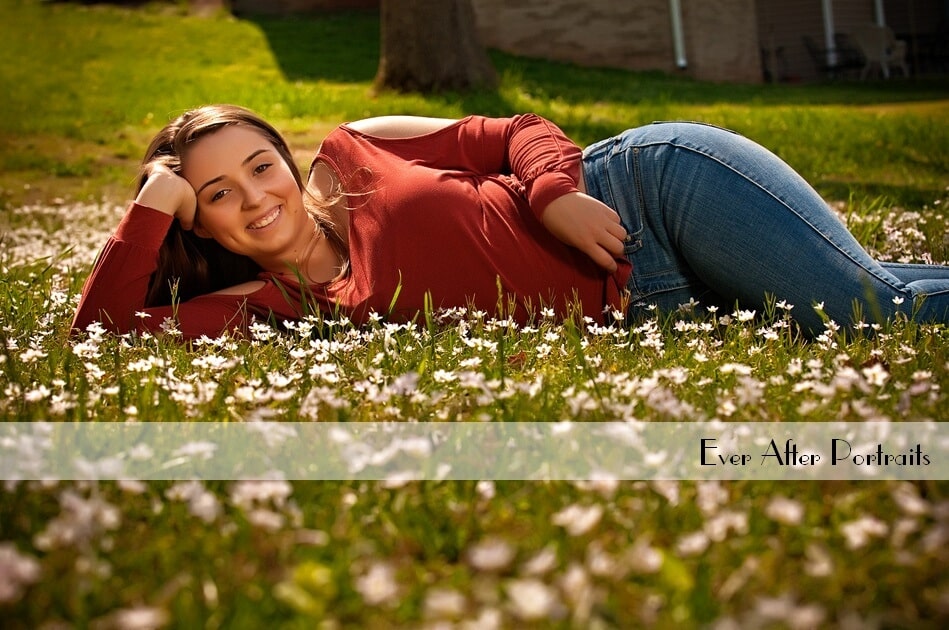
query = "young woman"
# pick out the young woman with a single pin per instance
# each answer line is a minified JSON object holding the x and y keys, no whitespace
{"x":399,"y":212}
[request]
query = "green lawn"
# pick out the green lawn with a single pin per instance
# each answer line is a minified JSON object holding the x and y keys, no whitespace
{"x":84,"y":89}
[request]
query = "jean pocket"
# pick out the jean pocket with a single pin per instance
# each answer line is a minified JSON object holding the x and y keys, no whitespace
{"x":626,"y":195}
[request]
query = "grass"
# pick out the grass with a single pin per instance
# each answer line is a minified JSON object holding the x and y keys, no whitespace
{"x":97,"y":81}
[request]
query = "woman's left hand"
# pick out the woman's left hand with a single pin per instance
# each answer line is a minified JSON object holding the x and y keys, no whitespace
{"x":589,"y":225}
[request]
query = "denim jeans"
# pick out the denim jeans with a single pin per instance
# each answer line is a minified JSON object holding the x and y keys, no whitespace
{"x":716,"y":218}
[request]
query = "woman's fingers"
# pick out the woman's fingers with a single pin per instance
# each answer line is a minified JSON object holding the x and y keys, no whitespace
{"x":170,"y":193}
{"x":589,"y":225}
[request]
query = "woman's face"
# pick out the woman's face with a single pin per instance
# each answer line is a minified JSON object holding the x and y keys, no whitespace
{"x":248,"y":198}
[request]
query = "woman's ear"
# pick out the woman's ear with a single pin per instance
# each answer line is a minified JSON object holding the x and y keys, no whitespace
{"x":199,"y":231}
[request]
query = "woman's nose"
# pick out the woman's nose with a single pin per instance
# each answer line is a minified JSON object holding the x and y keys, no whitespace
{"x":253,"y":195}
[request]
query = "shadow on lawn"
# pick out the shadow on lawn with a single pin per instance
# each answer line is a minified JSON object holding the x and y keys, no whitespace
{"x":338,"y":46}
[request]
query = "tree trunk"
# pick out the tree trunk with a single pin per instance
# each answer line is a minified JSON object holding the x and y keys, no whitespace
{"x":431,"y":46}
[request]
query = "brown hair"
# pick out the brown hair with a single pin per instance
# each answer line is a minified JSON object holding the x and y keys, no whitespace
{"x":189,"y":265}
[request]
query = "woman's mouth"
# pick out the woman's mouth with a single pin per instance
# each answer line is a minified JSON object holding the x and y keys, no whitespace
{"x":265,"y":220}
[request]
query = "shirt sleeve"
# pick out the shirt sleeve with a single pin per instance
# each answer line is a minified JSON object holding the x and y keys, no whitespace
{"x":114,"y":293}
{"x":542,"y":161}
{"x":118,"y":284}
{"x":536,"y":151}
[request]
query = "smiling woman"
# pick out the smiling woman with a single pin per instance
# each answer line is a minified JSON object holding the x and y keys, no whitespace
{"x":506,"y":215}
{"x":217,"y":186}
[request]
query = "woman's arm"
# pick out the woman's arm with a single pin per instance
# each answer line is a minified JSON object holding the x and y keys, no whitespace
{"x":114,"y":293}
{"x":400,"y":126}
{"x":118,"y":284}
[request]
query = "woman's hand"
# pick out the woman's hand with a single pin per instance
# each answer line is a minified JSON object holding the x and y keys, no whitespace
{"x":170,"y":193}
{"x":589,"y":225}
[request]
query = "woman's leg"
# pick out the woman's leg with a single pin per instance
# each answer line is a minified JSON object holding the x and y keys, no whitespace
{"x":714,"y":216}
{"x":912,"y":273}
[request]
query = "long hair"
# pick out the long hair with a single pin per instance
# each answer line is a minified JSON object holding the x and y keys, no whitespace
{"x":188,"y":265}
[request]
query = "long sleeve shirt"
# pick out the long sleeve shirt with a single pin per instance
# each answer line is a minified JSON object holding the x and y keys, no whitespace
{"x":451,"y":218}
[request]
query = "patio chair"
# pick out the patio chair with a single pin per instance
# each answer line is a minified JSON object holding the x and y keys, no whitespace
{"x":832,"y":63}
{"x":849,"y":57}
{"x":880,"y":48}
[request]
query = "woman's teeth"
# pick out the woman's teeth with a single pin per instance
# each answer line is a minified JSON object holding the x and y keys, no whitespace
{"x":267,"y":220}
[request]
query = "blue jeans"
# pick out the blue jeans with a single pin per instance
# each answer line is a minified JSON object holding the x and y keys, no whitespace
{"x":716,"y":218}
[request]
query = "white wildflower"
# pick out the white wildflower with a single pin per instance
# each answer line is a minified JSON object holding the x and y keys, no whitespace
{"x":599,"y":561}
{"x":202,"y":450}
{"x":542,"y":562}
{"x":17,"y":571}
{"x":578,"y":591}
{"x":819,"y":562}
{"x":41,"y":392}
{"x":267,"y":520}
{"x":603,"y":483}
{"x":577,"y":519}
{"x":202,"y":503}
{"x":248,"y":494}
{"x":80,"y":521}
{"x":744,"y":315}
{"x":710,"y":495}
{"x":131,"y":486}
{"x":445,"y":603}
{"x":907,"y":498}
{"x":735,"y":368}
{"x":485,"y":489}
{"x":718,"y":527}
{"x":492,"y":554}
{"x":378,"y":585}
{"x":785,"y":511}
{"x":726,"y":407}
{"x":138,"y":618}
{"x":859,"y":532}
{"x":786,"y":611}
{"x":668,"y":489}
{"x":692,"y":544}
{"x":531,"y":599}
{"x":642,"y":557}
{"x":876,"y":374}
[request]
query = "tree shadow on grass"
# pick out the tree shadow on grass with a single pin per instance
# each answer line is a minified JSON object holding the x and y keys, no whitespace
{"x":338,"y":46}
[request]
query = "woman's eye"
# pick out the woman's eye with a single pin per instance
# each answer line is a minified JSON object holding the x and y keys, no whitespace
{"x":219,"y":194}
{"x":261,"y":168}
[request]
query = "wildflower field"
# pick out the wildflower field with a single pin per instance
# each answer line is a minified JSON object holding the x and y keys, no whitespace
{"x":397,"y":553}
{"x":603,"y":553}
